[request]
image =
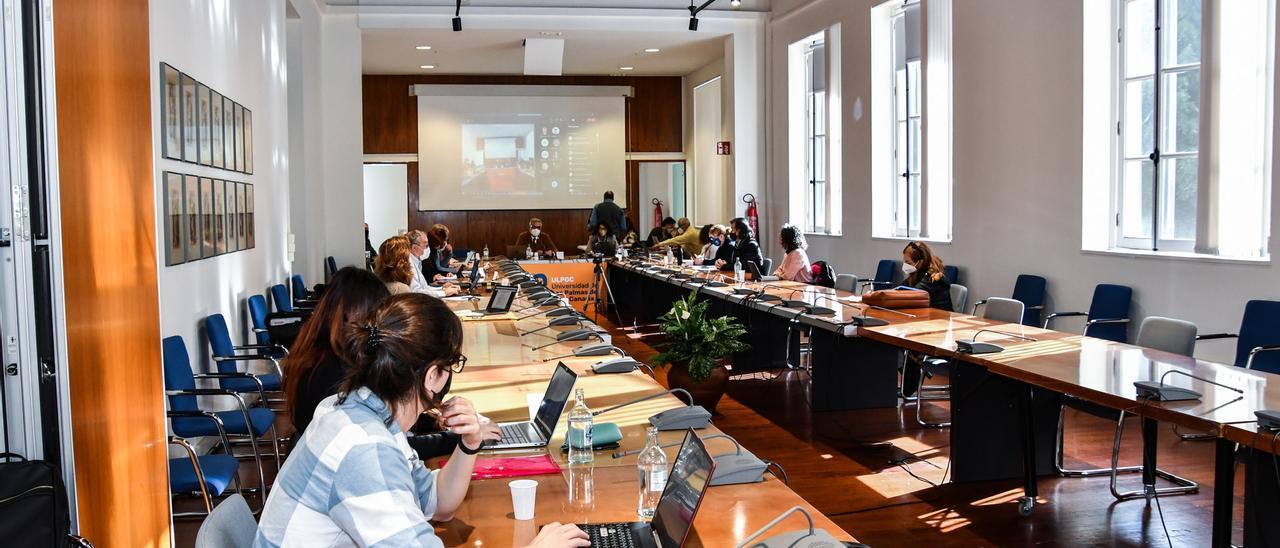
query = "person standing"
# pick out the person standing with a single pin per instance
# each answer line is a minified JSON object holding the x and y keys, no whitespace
{"x":608,"y":213}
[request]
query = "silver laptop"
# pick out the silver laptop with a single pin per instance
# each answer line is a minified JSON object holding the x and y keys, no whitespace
{"x":536,"y":433}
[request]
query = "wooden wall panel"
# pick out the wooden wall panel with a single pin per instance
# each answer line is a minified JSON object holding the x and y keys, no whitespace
{"x":103,"y":84}
{"x":655,"y":121}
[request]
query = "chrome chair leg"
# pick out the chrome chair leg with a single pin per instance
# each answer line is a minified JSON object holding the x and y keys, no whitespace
{"x":1182,"y":486}
{"x":1059,"y":467}
{"x":922,"y":395}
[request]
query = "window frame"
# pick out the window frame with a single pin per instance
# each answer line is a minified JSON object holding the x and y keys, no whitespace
{"x":817,"y":213}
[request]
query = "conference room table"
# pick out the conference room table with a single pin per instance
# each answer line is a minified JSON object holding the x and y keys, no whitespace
{"x":503,"y":368}
{"x":1004,"y":405}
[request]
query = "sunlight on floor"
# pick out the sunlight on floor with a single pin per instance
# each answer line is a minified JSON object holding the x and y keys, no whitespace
{"x":945,"y":520}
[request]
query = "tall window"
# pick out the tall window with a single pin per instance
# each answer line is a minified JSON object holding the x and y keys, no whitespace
{"x":911,"y":120}
{"x":1159,"y":124}
{"x":815,"y":114}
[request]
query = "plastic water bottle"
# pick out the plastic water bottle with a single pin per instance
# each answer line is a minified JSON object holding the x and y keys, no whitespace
{"x":486,"y":252}
{"x":671,"y":258}
{"x":737,"y":271}
{"x":528,"y":252}
{"x":652,"y":469}
{"x":580,"y":422}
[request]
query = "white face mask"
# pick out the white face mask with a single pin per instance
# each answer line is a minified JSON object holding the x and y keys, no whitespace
{"x":535,"y":232}
{"x":908,"y":268}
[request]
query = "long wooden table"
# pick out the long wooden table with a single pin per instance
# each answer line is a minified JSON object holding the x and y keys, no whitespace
{"x":502,"y":369}
{"x":1004,"y":405}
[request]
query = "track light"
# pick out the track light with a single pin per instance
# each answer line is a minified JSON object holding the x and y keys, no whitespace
{"x":693,"y":23}
{"x":457,"y":17}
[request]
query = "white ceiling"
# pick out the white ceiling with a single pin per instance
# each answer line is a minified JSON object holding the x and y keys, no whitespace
{"x":747,"y":5}
{"x":497,"y":51}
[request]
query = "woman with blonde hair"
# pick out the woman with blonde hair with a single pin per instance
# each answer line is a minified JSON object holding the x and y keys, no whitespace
{"x":924,"y":271}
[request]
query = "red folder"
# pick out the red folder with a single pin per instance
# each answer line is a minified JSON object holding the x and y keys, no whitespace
{"x":512,"y":467}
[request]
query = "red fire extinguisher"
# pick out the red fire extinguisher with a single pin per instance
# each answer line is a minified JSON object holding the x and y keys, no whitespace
{"x":657,"y":212}
{"x":753,"y":218}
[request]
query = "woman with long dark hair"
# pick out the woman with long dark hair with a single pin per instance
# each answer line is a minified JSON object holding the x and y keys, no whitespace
{"x":925,"y":271}
{"x":795,"y":264}
{"x":745,"y":247}
{"x":352,"y":479}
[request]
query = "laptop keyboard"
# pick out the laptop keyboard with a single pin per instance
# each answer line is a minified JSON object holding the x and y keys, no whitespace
{"x":515,"y":433}
{"x":609,"y":535}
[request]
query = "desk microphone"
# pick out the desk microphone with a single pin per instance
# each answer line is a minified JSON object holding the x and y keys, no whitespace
{"x":538,"y":303}
{"x":813,"y":538}
{"x":795,"y":303}
{"x":593,"y":349}
{"x":762,"y":296}
{"x":972,"y":346}
{"x":1159,"y":391}
{"x":575,"y":335}
{"x":733,"y":468}
{"x":680,"y":418}
{"x":560,"y":321}
{"x":551,"y":312}
{"x":890,"y":310}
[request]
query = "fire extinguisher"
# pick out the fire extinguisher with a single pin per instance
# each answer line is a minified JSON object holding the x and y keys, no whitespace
{"x":753,"y":218}
{"x":657,"y":212}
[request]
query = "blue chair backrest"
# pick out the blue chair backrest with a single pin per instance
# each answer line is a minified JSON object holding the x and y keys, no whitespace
{"x":952,"y":272}
{"x":280,"y":297}
{"x":215,"y":327}
{"x":1029,"y":289}
{"x":258,"y":315}
{"x":299,"y":286}
{"x":1110,"y":302}
{"x":177,"y":373}
{"x":884,"y":271}
{"x":1260,"y":327}
{"x":331,"y":265}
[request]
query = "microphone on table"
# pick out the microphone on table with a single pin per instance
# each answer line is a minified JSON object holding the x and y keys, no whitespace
{"x":575,"y":335}
{"x":538,"y":303}
{"x":1160,"y":391}
{"x":554,"y":312}
{"x":680,"y":418}
{"x":890,"y":310}
{"x":812,"y":538}
{"x":556,"y":322}
{"x":731,"y":468}
{"x":593,"y":349}
{"x":972,"y":346}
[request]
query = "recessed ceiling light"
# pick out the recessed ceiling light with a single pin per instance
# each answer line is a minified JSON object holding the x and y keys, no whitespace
{"x":652,"y":50}
{"x":626,"y":68}
{"x":422,"y":48}
{"x":428,"y":66}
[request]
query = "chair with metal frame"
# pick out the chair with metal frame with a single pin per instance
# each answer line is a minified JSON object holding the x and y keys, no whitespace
{"x":1158,"y":333}
{"x":998,"y":309}
{"x":1257,"y":345}
{"x":330,"y":267}
{"x":884,"y":276}
{"x":281,"y":299}
{"x":952,"y":272}
{"x":1029,"y":289}
{"x":204,"y":474}
{"x":1108,"y":315}
{"x":846,"y":282}
{"x":303,"y":297}
{"x":959,"y":297}
{"x":227,"y":355}
{"x":187,"y":420}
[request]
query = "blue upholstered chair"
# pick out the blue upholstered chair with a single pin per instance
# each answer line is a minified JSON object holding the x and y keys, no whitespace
{"x":186,"y":418}
{"x":227,"y":357}
{"x":280,"y":298}
{"x":1258,"y":342}
{"x":204,"y":474}
{"x":302,"y":297}
{"x":952,"y":272}
{"x":258,"y":313}
{"x":1028,"y":289}
{"x":884,"y":275}
{"x":330,"y":267}
{"x":1108,"y":315}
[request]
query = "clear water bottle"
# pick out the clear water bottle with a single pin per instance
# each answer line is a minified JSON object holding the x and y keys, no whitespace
{"x":528,"y":252}
{"x":671,"y":258}
{"x":580,"y":422}
{"x":485,"y":252}
{"x":652,"y":469}
{"x":737,"y":271}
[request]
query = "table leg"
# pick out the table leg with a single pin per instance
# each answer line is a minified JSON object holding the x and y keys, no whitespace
{"x":1224,"y":482}
{"x":1029,"y":487}
{"x":1150,"y":435}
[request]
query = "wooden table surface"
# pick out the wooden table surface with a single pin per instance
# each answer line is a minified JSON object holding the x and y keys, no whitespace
{"x":502,"y":369}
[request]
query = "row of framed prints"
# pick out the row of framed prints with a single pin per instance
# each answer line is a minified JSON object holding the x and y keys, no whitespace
{"x":205,"y":217}
{"x":201,"y":126}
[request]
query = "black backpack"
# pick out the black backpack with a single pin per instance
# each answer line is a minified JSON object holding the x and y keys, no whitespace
{"x":33,"y":504}
{"x":823,"y":274}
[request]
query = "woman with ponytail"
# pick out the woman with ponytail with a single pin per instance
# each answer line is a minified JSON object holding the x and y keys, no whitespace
{"x":352,"y":479}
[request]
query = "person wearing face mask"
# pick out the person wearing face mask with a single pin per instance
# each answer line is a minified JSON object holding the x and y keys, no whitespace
{"x":662,"y":232}
{"x":795,"y":265}
{"x":924,"y":271}
{"x":688,"y":240}
{"x":603,"y":241}
{"x":351,"y":479}
{"x":745,"y":247}
{"x":712,"y":235}
{"x":438,"y":266}
{"x":537,"y":240}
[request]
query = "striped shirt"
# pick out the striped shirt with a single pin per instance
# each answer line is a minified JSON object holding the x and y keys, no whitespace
{"x":352,"y":480}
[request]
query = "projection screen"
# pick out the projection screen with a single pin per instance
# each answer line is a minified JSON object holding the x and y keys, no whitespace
{"x":519,"y":147}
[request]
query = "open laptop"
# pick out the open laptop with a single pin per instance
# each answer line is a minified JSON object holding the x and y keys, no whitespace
{"x":680,"y":499}
{"x":470,"y":284}
{"x":754,"y":270}
{"x":499,"y":301}
{"x":536,"y":433}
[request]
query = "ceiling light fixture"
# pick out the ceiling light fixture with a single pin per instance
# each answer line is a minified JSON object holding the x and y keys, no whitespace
{"x":422,"y":48}
{"x":428,"y":66}
{"x":651,"y":50}
{"x":693,"y":10}
{"x":457,"y":17}
{"x":626,"y":68}
{"x":735,"y":3}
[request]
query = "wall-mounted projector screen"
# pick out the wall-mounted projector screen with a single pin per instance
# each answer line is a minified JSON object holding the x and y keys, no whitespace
{"x":511,"y":151}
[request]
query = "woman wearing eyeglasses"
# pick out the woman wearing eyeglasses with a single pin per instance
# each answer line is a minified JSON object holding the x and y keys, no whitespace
{"x":352,"y":479}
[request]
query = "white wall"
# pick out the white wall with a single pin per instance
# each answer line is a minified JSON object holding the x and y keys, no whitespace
{"x":386,"y":200}
{"x":708,"y":184}
{"x":1017,"y":209}
{"x":237,"y":48}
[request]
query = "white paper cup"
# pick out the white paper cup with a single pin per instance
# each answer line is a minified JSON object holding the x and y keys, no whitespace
{"x":524,"y":493}
{"x":534,"y":401}
{"x":560,"y":255}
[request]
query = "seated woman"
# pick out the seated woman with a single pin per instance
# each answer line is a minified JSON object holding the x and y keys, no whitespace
{"x":603,"y":241}
{"x":745,"y":247}
{"x":439,"y":265}
{"x":795,"y":265}
{"x":392,"y":265}
{"x":924,"y":270}
{"x":351,"y":479}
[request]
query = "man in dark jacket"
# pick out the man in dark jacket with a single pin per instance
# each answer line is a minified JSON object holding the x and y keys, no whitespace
{"x":608,"y":213}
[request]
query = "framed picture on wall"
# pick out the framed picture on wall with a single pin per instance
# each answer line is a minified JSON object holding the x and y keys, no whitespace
{"x":233,"y":212}
{"x":191,"y":217}
{"x":190,"y":139}
{"x":248,"y":141}
{"x":241,"y":218}
{"x":173,"y":210}
{"x":238,"y":122}
{"x":248,"y":214}
{"x":219,"y":217}
{"x":206,"y":218}
{"x":203,"y":124}
{"x":215,"y":126}
{"x":170,"y":112}
{"x":228,"y":134}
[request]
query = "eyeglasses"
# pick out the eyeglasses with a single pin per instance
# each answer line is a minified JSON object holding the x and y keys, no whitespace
{"x":459,"y":364}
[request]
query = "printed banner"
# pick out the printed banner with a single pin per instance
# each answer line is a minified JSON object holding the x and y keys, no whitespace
{"x":569,"y":278}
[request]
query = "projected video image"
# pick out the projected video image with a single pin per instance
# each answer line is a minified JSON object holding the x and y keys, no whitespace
{"x":498,"y":158}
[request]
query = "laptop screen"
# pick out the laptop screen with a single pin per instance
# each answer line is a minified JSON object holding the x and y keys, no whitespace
{"x":501,"y":298}
{"x":554,"y":400}
{"x":475,"y":273}
{"x":689,"y":479}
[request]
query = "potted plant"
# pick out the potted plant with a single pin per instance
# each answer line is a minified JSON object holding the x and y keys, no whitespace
{"x":695,"y":346}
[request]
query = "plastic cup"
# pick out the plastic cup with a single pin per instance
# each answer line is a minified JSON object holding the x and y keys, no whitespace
{"x":560,"y":255}
{"x":534,"y":401}
{"x":524,"y":494}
